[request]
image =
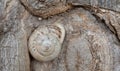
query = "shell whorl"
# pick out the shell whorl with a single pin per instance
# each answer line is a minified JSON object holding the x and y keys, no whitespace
{"x":46,"y":41}
{"x":62,"y":30}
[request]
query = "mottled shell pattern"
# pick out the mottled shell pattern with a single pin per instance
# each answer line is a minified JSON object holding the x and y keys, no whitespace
{"x":46,"y":41}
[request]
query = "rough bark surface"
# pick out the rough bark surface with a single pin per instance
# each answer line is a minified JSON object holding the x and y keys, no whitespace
{"x":92,"y":41}
{"x":107,"y":4}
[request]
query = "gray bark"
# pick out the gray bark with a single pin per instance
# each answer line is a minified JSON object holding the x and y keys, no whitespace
{"x":107,"y":4}
{"x":92,"y":41}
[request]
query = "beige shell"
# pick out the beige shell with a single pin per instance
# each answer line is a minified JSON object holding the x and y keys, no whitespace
{"x":46,"y":41}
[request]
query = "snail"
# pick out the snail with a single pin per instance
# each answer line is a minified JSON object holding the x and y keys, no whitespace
{"x":46,"y":41}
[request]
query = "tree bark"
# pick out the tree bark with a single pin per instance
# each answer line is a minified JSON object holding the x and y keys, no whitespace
{"x":92,"y":41}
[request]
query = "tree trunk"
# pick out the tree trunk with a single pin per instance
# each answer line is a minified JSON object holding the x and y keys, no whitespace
{"x":92,"y":41}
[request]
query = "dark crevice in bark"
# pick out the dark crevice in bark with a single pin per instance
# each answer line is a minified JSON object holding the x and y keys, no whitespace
{"x":94,"y":12}
{"x":115,"y":32}
{"x":103,"y":21}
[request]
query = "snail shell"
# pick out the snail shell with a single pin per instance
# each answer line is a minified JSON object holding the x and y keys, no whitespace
{"x":46,"y":41}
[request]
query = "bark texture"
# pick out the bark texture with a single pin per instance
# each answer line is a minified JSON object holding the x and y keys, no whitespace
{"x":92,"y":41}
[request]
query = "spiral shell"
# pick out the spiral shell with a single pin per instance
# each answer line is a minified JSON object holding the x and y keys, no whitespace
{"x":46,"y":41}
